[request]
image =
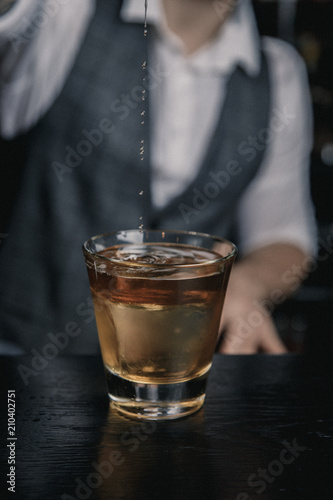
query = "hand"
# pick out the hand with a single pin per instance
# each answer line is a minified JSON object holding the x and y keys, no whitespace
{"x":246,"y":327}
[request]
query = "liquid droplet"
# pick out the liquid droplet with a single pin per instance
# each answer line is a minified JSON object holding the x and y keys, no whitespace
{"x":141,"y":193}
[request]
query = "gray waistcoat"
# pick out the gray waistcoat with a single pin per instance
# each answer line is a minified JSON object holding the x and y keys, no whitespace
{"x":83,"y":176}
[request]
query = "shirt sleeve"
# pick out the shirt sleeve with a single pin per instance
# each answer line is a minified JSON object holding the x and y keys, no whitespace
{"x":39,"y":40}
{"x":277,"y":206}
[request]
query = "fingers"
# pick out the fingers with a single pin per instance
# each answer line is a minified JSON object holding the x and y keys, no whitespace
{"x":251,"y":340}
{"x":270,"y":340}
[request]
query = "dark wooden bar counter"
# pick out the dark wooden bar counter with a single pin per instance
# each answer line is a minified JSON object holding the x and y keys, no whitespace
{"x":265,"y":431}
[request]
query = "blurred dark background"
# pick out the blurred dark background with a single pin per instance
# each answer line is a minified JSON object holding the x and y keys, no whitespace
{"x":305,"y":321}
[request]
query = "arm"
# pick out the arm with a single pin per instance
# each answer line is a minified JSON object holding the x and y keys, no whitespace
{"x":258,"y":283}
{"x":276,"y":220}
{"x":38,"y":44}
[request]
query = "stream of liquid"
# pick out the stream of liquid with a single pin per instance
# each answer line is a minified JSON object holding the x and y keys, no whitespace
{"x":145,"y":21}
{"x":143,"y":98}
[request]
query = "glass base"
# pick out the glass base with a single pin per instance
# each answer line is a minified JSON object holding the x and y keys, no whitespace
{"x":156,"y":401}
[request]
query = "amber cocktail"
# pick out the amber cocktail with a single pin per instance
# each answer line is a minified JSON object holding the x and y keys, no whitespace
{"x":158,"y":298}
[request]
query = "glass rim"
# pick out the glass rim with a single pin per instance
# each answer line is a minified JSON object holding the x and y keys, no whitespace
{"x":232,"y":253}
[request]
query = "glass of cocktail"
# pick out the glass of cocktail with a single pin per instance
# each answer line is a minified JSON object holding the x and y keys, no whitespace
{"x":158,"y":298}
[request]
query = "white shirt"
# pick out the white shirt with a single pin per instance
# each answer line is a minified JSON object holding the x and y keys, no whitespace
{"x":192,"y":86}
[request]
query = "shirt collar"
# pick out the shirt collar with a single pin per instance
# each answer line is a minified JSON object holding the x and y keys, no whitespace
{"x":237,"y":44}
